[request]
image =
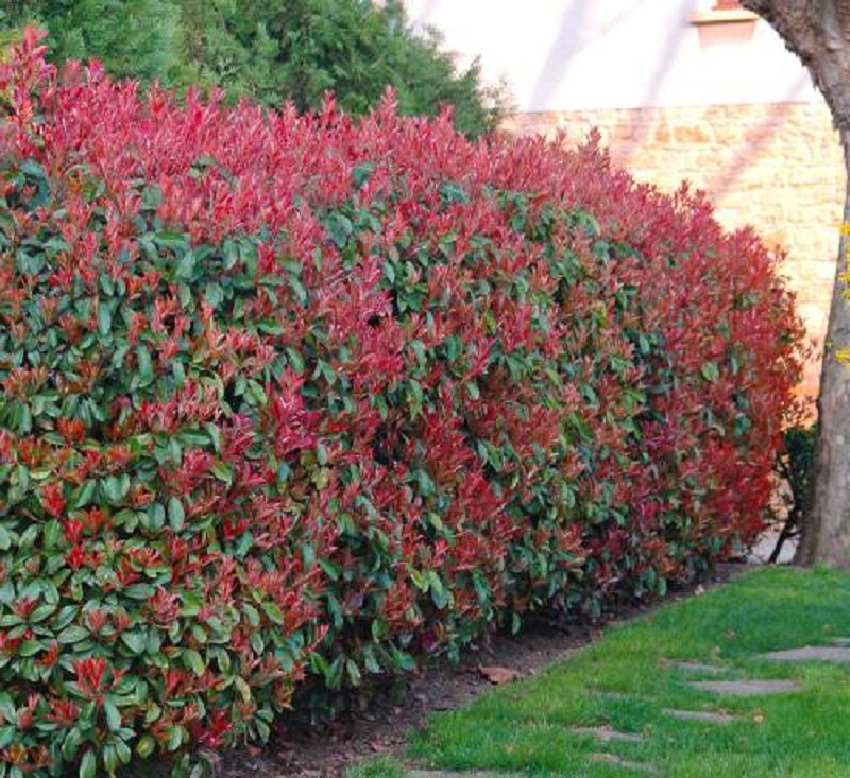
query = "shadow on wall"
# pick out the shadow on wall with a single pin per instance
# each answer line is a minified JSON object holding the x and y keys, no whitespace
{"x":566,"y":45}
{"x":572,"y":38}
{"x":723,"y":181}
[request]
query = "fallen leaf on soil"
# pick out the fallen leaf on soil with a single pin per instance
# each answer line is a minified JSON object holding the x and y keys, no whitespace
{"x":498,"y":675}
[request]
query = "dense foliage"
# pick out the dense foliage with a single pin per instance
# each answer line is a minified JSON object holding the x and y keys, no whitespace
{"x":272,"y":51}
{"x":302,"y":396}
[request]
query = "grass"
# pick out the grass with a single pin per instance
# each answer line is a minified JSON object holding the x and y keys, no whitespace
{"x":525,"y":727}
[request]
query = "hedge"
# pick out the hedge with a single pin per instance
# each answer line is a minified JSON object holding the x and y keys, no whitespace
{"x":290,"y":402}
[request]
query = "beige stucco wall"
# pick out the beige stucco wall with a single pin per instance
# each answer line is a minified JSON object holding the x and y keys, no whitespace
{"x":776,"y":167}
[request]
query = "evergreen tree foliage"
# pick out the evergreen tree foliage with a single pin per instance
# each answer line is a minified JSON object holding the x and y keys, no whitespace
{"x":271,"y":51}
{"x":136,"y":39}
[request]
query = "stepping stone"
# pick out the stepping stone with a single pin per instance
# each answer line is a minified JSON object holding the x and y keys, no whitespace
{"x":643,"y":767}
{"x":809,"y":653}
{"x":444,"y":774}
{"x":606,"y":735}
{"x":707,"y":716}
{"x":697,"y":667}
{"x":746,"y":688}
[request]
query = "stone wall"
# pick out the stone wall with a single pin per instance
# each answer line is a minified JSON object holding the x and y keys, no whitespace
{"x":777,"y":167}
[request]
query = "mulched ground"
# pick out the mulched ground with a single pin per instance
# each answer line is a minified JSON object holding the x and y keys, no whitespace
{"x":324,"y":752}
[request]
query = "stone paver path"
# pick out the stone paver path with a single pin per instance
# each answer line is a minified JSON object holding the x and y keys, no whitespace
{"x":643,"y":767}
{"x":747,"y":687}
{"x":444,"y":774}
{"x":697,"y":667}
{"x":838,"y":651}
{"x":705,"y":716}
{"x":607,"y":735}
{"x":809,"y":653}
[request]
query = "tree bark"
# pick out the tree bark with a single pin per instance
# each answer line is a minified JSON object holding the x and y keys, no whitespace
{"x":826,"y":534}
{"x":818,"y":31}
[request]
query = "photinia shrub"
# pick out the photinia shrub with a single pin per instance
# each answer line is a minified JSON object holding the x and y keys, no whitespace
{"x":292,"y":401}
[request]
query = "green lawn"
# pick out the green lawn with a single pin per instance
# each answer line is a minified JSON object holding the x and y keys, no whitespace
{"x":525,"y":727}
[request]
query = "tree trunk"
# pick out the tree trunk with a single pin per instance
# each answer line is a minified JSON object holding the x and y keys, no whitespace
{"x":818,"y":31}
{"x":826,"y":535}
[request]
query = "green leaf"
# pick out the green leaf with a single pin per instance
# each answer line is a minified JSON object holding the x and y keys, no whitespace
{"x":42,"y":612}
{"x":214,"y":294}
{"x":257,"y":643}
{"x":709,"y":371}
{"x":243,"y":689}
{"x":353,"y":672}
{"x":215,"y":435}
{"x":274,"y":613}
{"x":72,"y":634}
{"x":195,"y":662}
{"x":104,"y":319}
{"x":29,"y":648}
{"x":168,"y":239}
{"x":134,"y":641}
{"x":5,"y":539}
{"x":84,"y":495}
{"x":113,"y":715}
{"x":33,"y":169}
{"x":224,"y":472}
{"x":139,"y":591}
{"x":176,"y":514}
{"x":251,"y":612}
{"x":110,"y":759}
{"x":7,"y":706}
{"x":124,"y":752}
{"x":71,"y":743}
{"x":146,"y":375}
{"x":7,"y":737}
{"x":194,"y":438}
{"x":178,"y":370}
{"x":88,"y":765}
{"x":361,"y":173}
{"x":296,"y":360}
{"x":186,"y":266}
{"x":175,"y":739}
{"x":25,"y":425}
{"x":439,"y":596}
{"x":403,"y":661}
{"x":146,"y":746}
